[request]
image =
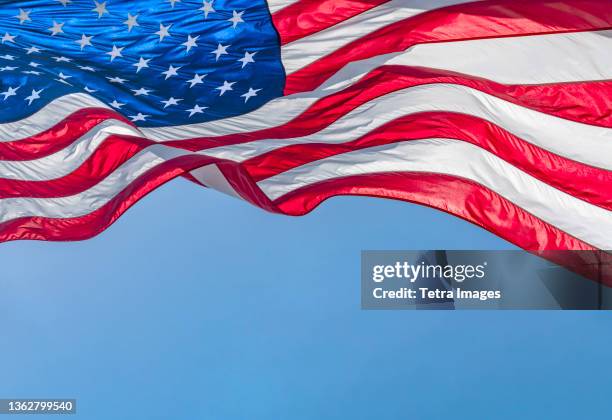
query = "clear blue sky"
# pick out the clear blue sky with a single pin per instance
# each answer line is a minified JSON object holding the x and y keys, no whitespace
{"x":198,"y":306}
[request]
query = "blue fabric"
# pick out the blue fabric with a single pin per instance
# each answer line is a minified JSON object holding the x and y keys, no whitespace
{"x":255,"y":34}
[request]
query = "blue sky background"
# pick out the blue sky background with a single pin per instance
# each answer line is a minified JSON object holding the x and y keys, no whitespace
{"x":199,"y":306}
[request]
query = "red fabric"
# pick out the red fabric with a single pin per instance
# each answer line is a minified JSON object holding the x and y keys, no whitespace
{"x":304,"y":18}
{"x":79,"y":228}
{"x":457,"y":196}
{"x":481,"y":19}
{"x":58,"y":137}
{"x":111,"y":154}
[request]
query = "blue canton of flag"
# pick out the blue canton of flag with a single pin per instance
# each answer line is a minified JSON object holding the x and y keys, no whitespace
{"x":159,"y":63}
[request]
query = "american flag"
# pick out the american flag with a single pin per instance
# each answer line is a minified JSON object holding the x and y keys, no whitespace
{"x":496,"y":111}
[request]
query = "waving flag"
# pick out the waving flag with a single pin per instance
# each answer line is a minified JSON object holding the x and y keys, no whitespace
{"x":497,"y":111}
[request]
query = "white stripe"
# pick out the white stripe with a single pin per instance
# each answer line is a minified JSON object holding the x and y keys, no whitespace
{"x":52,"y":113}
{"x":581,"y":142}
{"x":67,"y":160}
{"x":305,"y":51}
{"x":277,"y":5}
{"x":587,"y":222}
{"x":211,"y":176}
{"x":92,"y":199}
{"x":522,"y":60}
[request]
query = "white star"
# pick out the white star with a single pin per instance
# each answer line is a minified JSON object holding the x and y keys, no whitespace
{"x":64,"y":2}
{"x":90,"y":90}
{"x":37,"y":73}
{"x":236,"y":18}
{"x":142,"y":63}
{"x":8,"y":68}
{"x":118,"y":80}
{"x":33,"y":49}
{"x":226,"y":86}
{"x":8,"y":38}
{"x":116,"y":52}
{"x":170,"y":102}
{"x":139,"y":117}
{"x":63,"y":79}
{"x":191,"y":42}
{"x":248,"y":58}
{"x":23,"y":16}
{"x":163,"y":32}
{"x":10,"y":92}
{"x":207,"y":8}
{"x":221,"y":50}
{"x":100,"y":9}
{"x":57,"y":28}
{"x":84,"y":41}
{"x":62,"y":59}
{"x":87,"y":68}
{"x":197,"y":80}
{"x":8,"y":57}
{"x":141,"y":91}
{"x":197,"y":109}
{"x":34,"y":96}
{"x":173,"y":1}
{"x":131,"y":22}
{"x":34,"y":64}
{"x":252,"y":92}
{"x":116,"y":104}
{"x":172,"y":71}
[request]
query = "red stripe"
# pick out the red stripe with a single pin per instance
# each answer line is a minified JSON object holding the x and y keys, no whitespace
{"x":57,"y":137}
{"x":469,"y":201}
{"x":79,"y":228}
{"x":586,"y":102}
{"x":577,"y":179}
{"x":306,"y":17}
{"x":109,"y":156}
{"x":482,"y":19}
{"x":594,"y":265}
{"x":457,"y":196}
